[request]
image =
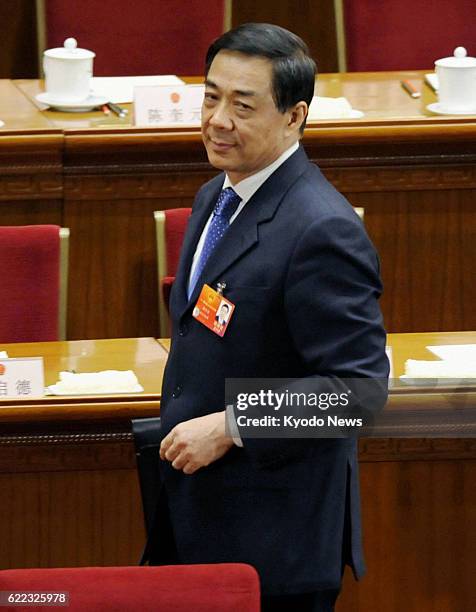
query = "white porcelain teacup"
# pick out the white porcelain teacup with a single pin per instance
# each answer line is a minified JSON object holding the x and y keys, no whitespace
{"x":457,"y":82}
{"x":68,"y":72}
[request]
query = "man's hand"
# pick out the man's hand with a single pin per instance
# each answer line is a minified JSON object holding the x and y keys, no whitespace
{"x":196,"y":443}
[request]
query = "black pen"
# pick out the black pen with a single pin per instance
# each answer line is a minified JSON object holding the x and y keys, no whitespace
{"x":117,"y":110}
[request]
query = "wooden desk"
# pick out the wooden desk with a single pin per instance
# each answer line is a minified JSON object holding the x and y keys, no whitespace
{"x":419,"y":511}
{"x":68,"y":481}
{"x":413,"y":172}
{"x":70,"y":495}
{"x":145,"y":356}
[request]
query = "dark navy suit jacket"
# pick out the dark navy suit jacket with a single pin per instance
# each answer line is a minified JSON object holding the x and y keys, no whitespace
{"x":304,"y":278}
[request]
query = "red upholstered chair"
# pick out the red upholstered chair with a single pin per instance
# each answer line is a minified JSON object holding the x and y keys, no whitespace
{"x":231,"y":587}
{"x":140,"y":37}
{"x":404,"y":34}
{"x":170,"y":226}
{"x":33,"y":283}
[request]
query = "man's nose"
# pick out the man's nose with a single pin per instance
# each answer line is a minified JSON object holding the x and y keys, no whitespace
{"x":220,"y":117}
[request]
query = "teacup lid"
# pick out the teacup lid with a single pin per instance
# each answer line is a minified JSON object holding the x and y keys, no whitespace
{"x":70,"y":51}
{"x":458,"y":60}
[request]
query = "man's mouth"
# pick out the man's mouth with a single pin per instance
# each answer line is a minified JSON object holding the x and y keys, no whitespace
{"x":220,"y":145}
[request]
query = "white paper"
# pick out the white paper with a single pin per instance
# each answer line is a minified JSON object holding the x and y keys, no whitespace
{"x":432,"y":79}
{"x":331,"y":108}
{"x":455,"y":352}
{"x":120,"y":90}
{"x":415,"y":368}
{"x":389,"y":352}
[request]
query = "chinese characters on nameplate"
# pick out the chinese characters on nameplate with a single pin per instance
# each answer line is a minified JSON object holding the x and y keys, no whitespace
{"x":168,"y":106}
{"x":22,"y":377}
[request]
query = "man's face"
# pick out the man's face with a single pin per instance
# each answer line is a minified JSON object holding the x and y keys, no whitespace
{"x":223,"y":311}
{"x":242,"y":129}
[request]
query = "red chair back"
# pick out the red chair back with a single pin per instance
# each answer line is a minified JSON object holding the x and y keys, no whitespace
{"x":29,"y":304}
{"x":176,"y":220}
{"x":140,"y":37}
{"x":404,"y":34}
{"x":230,"y":587}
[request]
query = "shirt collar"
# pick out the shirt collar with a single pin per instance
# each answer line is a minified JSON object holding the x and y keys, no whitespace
{"x":248,"y":186}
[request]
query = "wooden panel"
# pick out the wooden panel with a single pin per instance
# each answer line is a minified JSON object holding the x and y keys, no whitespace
{"x":18,"y":43}
{"x":419,"y":524}
{"x":426,"y":240}
{"x":114,"y":292}
{"x":313,"y":21}
{"x":31,"y":212}
{"x":71,"y":518}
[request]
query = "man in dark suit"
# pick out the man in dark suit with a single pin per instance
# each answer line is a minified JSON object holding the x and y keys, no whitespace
{"x":293,"y":257}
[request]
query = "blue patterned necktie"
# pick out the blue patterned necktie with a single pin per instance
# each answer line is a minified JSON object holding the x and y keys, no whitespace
{"x":225,"y":207}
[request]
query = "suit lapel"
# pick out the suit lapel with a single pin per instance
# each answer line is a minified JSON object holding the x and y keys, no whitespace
{"x":243,"y":232}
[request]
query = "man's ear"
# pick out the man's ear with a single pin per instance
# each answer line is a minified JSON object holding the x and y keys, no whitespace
{"x":297,"y":115}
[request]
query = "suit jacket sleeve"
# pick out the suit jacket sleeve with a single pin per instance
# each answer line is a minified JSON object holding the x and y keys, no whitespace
{"x":331,"y":296}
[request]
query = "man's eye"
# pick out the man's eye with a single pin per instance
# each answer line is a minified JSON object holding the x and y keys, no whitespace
{"x":243,"y":106}
{"x":209,"y":97}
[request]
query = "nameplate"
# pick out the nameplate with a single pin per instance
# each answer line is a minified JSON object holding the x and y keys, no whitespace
{"x":168,"y":106}
{"x":22,"y":377}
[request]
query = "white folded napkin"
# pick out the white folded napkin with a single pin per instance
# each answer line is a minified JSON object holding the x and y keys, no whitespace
{"x":107,"y":381}
{"x":331,"y":108}
{"x":415,"y":368}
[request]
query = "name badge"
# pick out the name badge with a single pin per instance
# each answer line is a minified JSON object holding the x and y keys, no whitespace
{"x":213,"y":310}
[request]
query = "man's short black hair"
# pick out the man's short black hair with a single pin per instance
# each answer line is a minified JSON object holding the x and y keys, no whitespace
{"x":294,"y":70}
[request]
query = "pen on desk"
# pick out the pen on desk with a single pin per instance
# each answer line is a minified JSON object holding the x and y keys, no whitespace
{"x":117,"y":110}
{"x":408,"y":87}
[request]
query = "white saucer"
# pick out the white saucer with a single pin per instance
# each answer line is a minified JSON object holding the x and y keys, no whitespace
{"x":441,"y":110}
{"x":88,"y":104}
